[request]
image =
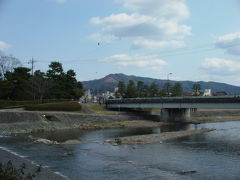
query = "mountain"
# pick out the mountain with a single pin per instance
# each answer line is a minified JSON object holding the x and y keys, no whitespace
{"x":109,"y":82}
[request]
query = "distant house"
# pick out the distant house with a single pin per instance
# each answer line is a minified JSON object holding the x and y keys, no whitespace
{"x":207,"y":92}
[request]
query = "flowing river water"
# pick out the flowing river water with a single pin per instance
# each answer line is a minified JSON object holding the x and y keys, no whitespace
{"x":213,"y":155}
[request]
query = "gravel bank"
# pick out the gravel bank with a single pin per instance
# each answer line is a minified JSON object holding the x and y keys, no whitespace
{"x":156,"y":138}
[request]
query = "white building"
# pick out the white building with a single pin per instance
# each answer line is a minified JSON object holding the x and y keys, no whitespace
{"x":207,"y":92}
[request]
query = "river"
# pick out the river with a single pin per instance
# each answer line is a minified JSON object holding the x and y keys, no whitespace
{"x":213,"y":155}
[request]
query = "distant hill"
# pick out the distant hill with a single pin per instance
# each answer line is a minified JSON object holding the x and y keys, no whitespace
{"x":110,"y":82}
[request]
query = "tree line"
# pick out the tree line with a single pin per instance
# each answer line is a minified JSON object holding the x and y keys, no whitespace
{"x":20,"y":83}
{"x":132,"y":90}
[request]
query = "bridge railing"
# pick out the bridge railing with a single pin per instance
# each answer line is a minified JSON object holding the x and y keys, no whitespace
{"x":184,"y":99}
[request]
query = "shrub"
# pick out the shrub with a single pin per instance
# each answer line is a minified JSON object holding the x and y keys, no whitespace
{"x":9,"y":172}
{"x":63,"y":106}
{"x":12,"y":103}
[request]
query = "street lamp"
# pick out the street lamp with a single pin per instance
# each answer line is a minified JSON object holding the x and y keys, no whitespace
{"x":168,"y":85}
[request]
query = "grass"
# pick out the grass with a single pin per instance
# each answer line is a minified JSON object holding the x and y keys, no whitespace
{"x":98,"y":109}
{"x":61,"y":106}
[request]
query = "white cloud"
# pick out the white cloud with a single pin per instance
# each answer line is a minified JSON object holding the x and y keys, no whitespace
{"x":229,"y":42}
{"x":171,"y":10}
{"x":157,"y":20}
{"x":151,"y":44}
{"x":141,"y":61}
{"x":137,"y":25}
{"x":4,"y":46}
{"x":221,"y":66}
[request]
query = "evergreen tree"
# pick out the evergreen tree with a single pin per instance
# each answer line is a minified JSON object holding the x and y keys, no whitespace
{"x":131,"y":91}
{"x":20,"y":79}
{"x":140,"y":90}
{"x":145,"y":91}
{"x":177,"y":89}
{"x":121,"y":89}
{"x":153,"y":89}
{"x":167,"y":87}
{"x":196,"y":89}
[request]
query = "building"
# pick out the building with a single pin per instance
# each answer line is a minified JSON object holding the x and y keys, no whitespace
{"x":207,"y":92}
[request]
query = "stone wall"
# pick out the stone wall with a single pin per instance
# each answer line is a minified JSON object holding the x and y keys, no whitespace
{"x":27,"y":122}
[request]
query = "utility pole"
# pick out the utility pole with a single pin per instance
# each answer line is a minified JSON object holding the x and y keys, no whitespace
{"x":32,"y":61}
{"x":168,"y":83}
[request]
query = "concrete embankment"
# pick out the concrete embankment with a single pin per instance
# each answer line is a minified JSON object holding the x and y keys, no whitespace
{"x":42,"y":173}
{"x":27,"y":122}
{"x":156,"y":138}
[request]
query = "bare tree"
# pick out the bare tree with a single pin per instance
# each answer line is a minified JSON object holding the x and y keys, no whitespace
{"x":7,"y":64}
{"x":41,"y":85}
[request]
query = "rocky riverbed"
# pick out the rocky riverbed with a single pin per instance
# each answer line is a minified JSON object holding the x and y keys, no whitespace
{"x":157,"y":138}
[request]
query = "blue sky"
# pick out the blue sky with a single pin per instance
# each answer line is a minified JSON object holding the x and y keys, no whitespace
{"x":194,"y":40}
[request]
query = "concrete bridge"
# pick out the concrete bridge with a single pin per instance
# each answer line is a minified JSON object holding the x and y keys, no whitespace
{"x":176,"y":108}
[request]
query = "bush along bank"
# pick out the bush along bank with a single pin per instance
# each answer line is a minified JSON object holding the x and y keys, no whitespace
{"x":63,"y":106}
{"x":12,"y":103}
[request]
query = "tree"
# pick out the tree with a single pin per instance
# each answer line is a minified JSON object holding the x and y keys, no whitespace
{"x":41,"y":85}
{"x":167,"y":87}
{"x":177,"y":89}
{"x":162,"y":93}
{"x":140,"y":86}
{"x":20,"y":78}
{"x":196,"y":89}
{"x":64,"y":85}
{"x":7,"y":64}
{"x":6,"y":89}
{"x":131,"y":91}
{"x":121,"y":88}
{"x":153,"y":89}
{"x":56,"y":75}
{"x":145,"y":91}
{"x":55,"y":70}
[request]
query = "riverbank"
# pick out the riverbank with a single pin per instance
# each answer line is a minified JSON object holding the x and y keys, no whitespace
{"x":41,"y":172}
{"x":215,"y":115}
{"x":12,"y":123}
{"x":18,"y":122}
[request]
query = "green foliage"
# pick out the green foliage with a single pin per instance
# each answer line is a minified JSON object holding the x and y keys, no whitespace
{"x":20,"y":84}
{"x":153,"y":89}
{"x":196,"y":89}
{"x":63,"y":106}
{"x":131,"y":91}
{"x":19,"y":78}
{"x":121,"y":88}
{"x":177,"y":90}
{"x":143,"y":90}
{"x":167,"y":87}
{"x":64,"y":85}
{"x":140,"y":89}
{"x":11,"y":103}
{"x":9,"y":172}
{"x":6,"y":89}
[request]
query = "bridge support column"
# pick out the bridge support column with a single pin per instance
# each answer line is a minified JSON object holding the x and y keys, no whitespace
{"x":175,"y":115}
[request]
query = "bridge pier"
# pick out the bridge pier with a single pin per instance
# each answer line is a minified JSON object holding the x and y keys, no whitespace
{"x":175,"y":114}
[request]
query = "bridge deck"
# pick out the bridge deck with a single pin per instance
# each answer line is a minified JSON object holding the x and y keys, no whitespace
{"x":223,"y":102}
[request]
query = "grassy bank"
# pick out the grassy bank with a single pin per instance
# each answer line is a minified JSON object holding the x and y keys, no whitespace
{"x":97,"y":109}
